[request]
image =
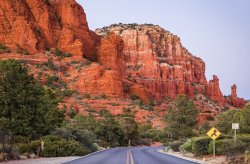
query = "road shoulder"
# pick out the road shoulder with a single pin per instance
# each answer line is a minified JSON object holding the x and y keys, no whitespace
{"x":179,"y":156}
{"x":205,"y":160}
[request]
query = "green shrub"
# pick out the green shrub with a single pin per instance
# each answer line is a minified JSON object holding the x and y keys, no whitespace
{"x":146,"y":107}
{"x":33,"y":147}
{"x":2,"y":46}
{"x":103,"y":96}
{"x":226,"y":147}
{"x":57,"y":52}
{"x":61,"y":55}
{"x":126,"y":88}
{"x":134,"y":97}
{"x":71,"y":113}
{"x":47,"y":49}
{"x":91,"y":110}
{"x":200,"y":146}
{"x":47,"y":2}
{"x":219,"y":146}
{"x":57,"y":147}
{"x":210,"y":118}
{"x":20,"y":139}
{"x":68,"y":92}
{"x":244,"y":138}
{"x":37,"y":30}
{"x":151,"y":102}
{"x":66,"y":55}
{"x":51,"y":80}
{"x":87,"y":96}
{"x":114,"y":104}
{"x":151,"y":133}
{"x":50,"y":64}
{"x":175,"y":145}
{"x":4,"y":49}
{"x":187,"y":146}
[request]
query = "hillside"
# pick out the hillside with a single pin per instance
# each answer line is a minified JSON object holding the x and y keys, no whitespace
{"x":122,"y":67}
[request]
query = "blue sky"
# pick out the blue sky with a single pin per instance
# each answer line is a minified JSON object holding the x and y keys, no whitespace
{"x":218,"y":31}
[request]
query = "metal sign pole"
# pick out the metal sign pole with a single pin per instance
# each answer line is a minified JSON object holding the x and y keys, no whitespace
{"x":234,"y":137}
{"x":235,"y":126}
{"x":213,"y":133}
{"x":214,"y":148}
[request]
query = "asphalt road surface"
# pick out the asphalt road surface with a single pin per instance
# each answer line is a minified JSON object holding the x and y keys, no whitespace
{"x":132,"y":155}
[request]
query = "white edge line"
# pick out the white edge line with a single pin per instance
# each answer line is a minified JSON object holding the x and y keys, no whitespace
{"x":85,"y":155}
{"x":184,"y":158}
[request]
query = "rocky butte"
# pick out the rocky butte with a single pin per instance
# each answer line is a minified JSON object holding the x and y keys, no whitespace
{"x":109,"y":65}
{"x":154,"y":64}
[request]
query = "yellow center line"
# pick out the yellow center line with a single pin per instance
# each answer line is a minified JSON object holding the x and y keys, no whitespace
{"x":131,"y":157}
{"x":127,"y":160}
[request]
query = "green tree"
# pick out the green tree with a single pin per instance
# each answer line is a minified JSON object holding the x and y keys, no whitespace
{"x":109,"y":131}
{"x":25,"y":106}
{"x":204,"y":128}
{"x":225,"y":120}
{"x":181,"y":118}
{"x":130,"y":130}
{"x":82,"y":129}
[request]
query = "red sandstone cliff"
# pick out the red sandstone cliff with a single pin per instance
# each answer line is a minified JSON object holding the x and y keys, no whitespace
{"x":33,"y":25}
{"x":155,"y":63}
{"x":143,"y":60}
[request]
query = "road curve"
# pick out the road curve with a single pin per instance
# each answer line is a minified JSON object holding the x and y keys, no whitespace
{"x":132,"y":155}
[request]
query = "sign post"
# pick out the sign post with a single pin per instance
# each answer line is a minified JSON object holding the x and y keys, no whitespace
{"x":214,"y":148}
{"x":213,"y":133}
{"x":235,"y":126}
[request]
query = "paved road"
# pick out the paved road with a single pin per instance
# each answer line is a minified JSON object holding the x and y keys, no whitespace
{"x":136,"y":155}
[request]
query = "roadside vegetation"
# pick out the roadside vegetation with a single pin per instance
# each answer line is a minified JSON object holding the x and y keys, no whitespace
{"x":185,"y":136}
{"x":32,"y":125}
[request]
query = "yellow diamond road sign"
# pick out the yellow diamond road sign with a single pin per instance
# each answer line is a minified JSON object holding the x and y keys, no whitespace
{"x":214,"y":133}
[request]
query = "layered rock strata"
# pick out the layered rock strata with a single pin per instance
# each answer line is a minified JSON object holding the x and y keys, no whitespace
{"x":34,"y":25}
{"x":155,"y":63}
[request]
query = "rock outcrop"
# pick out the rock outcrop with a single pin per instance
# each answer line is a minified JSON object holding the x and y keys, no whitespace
{"x":155,"y":64}
{"x":213,"y":90}
{"x":234,"y":91}
{"x":110,"y":52}
{"x":34,"y":25}
{"x":96,"y":80}
{"x":234,"y":100}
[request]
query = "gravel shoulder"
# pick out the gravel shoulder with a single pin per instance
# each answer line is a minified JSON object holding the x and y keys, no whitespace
{"x":205,"y":160}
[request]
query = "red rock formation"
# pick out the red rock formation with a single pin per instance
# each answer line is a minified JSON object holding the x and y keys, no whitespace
{"x":33,"y":25}
{"x":155,"y":60}
{"x":144,"y":60}
{"x":234,"y":91}
{"x":234,"y":100}
{"x":153,"y":63}
{"x":110,"y":52}
{"x":213,"y":90}
{"x":96,"y":80}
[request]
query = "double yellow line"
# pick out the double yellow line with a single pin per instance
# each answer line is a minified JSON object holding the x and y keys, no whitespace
{"x":130,"y":159}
